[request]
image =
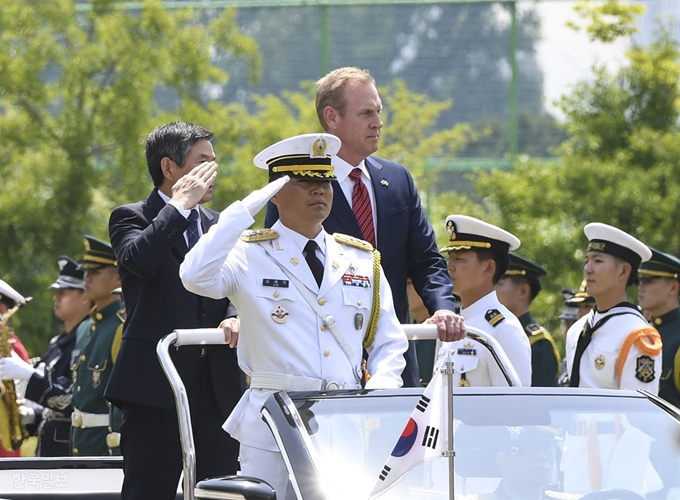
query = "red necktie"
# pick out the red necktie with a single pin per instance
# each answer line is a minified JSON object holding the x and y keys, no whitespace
{"x":361,"y":205}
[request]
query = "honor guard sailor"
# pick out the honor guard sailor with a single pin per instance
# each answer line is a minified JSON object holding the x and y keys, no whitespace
{"x":49,"y":380}
{"x":516,"y":290}
{"x":658,"y":297}
{"x":313,"y":300}
{"x":613,"y":346}
{"x":478,"y":258}
{"x":95,"y":422}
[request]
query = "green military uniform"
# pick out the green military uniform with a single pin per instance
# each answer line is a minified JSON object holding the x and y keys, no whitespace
{"x":663,"y":265}
{"x":545,"y":356}
{"x":95,"y":424}
{"x":91,"y":374}
{"x":668,"y":326}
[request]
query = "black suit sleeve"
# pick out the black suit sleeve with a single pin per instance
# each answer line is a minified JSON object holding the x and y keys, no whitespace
{"x":426,"y":266}
{"x":141,"y":247}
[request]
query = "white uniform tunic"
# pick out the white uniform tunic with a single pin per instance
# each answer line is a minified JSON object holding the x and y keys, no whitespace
{"x":280,"y":333}
{"x":599,"y":361}
{"x":480,"y":369}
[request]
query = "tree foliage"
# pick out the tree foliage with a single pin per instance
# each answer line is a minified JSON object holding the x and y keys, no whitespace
{"x":620,"y":165}
{"x":79,"y":90}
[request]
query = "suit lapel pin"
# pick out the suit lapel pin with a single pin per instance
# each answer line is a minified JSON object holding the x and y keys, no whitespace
{"x":294,"y":261}
{"x":383,"y":182}
{"x":335,"y":264}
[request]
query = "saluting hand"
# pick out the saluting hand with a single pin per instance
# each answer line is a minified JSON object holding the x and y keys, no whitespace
{"x":190,"y":189}
{"x":450,"y":326}
{"x":256,"y":200}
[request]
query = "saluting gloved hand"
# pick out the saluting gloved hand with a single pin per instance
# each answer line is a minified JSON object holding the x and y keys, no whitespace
{"x":256,"y":200}
{"x":15,"y":368}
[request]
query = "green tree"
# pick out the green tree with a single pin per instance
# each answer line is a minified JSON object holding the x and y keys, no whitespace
{"x":80,"y":87}
{"x":620,"y":165}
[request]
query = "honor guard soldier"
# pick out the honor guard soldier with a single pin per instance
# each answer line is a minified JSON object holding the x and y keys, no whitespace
{"x":478,"y":257}
{"x":658,"y":297}
{"x":95,"y":432}
{"x":313,"y":300}
{"x":516,"y":290}
{"x":613,"y":346}
{"x":581,"y":300}
{"x":49,"y":382}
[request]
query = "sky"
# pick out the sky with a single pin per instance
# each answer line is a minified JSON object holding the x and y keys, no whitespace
{"x":567,"y":56}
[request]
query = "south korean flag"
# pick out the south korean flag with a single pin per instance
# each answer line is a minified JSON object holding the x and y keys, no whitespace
{"x":421,"y":440}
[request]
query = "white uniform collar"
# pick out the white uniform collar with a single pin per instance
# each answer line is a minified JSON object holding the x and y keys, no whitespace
{"x":300,"y":240}
{"x":489,"y":301}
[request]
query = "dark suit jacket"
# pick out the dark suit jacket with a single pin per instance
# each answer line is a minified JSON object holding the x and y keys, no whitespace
{"x":148,"y":240}
{"x":405,"y":240}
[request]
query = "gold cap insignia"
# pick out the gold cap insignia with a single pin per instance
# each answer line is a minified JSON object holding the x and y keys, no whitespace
{"x":319,"y":148}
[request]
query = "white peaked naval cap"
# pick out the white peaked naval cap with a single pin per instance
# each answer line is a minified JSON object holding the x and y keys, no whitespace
{"x":613,"y":241}
{"x":7,"y":292}
{"x":466,"y":233}
{"x":306,"y":156}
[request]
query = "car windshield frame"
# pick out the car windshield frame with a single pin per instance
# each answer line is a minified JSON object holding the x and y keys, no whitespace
{"x":295,"y":417}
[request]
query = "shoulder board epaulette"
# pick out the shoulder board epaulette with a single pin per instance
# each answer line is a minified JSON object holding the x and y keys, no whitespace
{"x":494,"y":316}
{"x":115,"y":343}
{"x":353,"y":242}
{"x":255,"y":235}
{"x":121,"y":315}
{"x":534,"y":329}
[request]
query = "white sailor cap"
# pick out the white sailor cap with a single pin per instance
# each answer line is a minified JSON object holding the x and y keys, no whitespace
{"x":613,"y":241}
{"x":11,"y":296}
{"x":306,"y":156}
{"x":467,"y":233}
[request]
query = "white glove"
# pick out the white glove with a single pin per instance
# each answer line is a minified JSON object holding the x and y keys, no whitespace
{"x":259,"y":198}
{"x":15,"y":368}
{"x":27,"y":415}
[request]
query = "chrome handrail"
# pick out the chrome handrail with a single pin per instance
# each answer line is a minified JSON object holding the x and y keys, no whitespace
{"x":215,"y":336}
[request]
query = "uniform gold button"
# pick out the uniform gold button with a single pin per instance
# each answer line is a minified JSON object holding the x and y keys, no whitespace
{"x":276,"y":294}
{"x":327,"y":353}
{"x":96,"y":367}
{"x":75,"y":451}
{"x":78,"y":389}
{"x":358,"y":302}
{"x":323,"y":328}
{"x":322,"y":302}
{"x":82,"y":357}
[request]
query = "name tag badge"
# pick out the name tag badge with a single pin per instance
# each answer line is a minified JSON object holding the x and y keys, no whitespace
{"x":276,"y":283}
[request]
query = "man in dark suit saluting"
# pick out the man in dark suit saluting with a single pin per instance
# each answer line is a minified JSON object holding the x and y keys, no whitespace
{"x":380,"y":204}
{"x":150,"y":239}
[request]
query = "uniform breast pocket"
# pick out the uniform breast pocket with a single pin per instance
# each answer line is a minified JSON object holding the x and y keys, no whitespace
{"x":276,"y":293}
{"x":96,"y":370}
{"x":357,"y":297}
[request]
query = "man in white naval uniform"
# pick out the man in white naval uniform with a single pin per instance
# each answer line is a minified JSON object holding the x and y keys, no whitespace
{"x":299,"y":331}
{"x":478,"y":257}
{"x":613,"y":346}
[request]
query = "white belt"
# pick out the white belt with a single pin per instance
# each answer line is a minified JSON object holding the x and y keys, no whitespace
{"x":282,"y":382}
{"x":86,"y":420}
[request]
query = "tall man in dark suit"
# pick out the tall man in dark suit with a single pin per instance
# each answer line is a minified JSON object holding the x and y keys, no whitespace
{"x":348,"y":106}
{"x":150,"y":239}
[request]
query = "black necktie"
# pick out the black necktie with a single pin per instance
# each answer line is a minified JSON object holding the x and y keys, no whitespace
{"x":584,"y":339}
{"x":192,"y":232}
{"x":313,"y":261}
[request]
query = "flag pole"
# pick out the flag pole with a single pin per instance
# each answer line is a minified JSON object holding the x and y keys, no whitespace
{"x":449,"y":453}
